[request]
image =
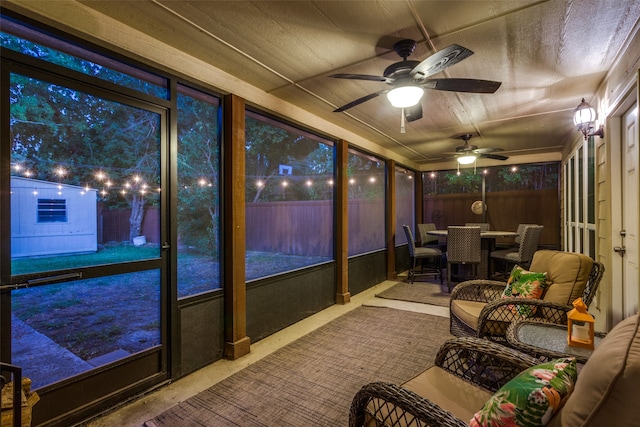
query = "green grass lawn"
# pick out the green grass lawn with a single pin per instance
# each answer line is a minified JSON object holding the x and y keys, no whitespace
{"x":92,"y":317}
{"x":111,"y":254}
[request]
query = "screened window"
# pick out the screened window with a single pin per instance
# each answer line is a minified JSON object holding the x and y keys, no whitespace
{"x":366,"y":203}
{"x":405,"y":203}
{"x":533,"y":177}
{"x":579,"y":200}
{"x":513,"y":194}
{"x":198,"y":202}
{"x":289,"y":197}
{"x":52,"y":210}
{"x":39,"y":45}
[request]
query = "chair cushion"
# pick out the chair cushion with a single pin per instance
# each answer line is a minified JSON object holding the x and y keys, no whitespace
{"x":467,"y":312}
{"x":459,"y":397}
{"x":524,"y":284}
{"x":509,"y":254}
{"x":606,"y":393}
{"x":567,"y":274}
{"x":531,"y":398}
{"x":422,"y":252}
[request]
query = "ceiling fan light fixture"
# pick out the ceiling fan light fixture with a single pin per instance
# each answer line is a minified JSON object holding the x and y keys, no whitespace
{"x":405,"y":96}
{"x":467,"y":160}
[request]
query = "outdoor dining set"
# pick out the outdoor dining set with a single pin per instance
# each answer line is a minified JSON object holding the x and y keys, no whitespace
{"x":471,"y":247}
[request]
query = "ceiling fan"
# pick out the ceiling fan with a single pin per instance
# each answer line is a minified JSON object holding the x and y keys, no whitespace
{"x":408,"y":78}
{"x":470,"y":153}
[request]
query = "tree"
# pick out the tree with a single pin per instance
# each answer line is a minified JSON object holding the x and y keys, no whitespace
{"x":198,"y":172}
{"x":268,"y":145}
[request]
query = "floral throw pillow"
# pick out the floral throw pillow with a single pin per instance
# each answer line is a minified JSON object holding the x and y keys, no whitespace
{"x":524,"y":284}
{"x":531,"y":398}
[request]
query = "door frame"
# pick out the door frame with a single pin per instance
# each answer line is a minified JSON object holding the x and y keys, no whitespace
{"x":629,"y":97}
{"x":78,"y":397}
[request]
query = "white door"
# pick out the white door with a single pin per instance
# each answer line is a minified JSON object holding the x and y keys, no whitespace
{"x":629,"y":293}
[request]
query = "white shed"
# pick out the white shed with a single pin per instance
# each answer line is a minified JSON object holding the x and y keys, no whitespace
{"x":48,"y":218}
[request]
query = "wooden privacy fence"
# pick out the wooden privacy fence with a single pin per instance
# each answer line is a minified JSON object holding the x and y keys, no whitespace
{"x":292,"y":228}
{"x":113,"y":225}
{"x":505,"y":210}
{"x":306,"y":227}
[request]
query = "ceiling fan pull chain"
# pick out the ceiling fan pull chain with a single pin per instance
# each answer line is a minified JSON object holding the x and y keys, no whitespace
{"x":402,"y":128}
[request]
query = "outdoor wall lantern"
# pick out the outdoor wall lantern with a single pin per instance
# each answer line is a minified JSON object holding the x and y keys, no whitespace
{"x":584,"y":117}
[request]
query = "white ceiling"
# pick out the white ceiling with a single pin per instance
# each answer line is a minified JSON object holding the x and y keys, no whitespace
{"x":547,"y":54}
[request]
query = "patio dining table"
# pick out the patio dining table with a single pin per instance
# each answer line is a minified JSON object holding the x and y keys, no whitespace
{"x":488,"y":244}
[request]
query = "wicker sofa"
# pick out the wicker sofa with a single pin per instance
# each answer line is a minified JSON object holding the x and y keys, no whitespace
{"x":468,"y":371}
{"x":478,"y":309}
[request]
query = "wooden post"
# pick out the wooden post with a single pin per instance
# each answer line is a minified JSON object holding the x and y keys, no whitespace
{"x":236,"y":343}
{"x":342,"y":222}
{"x":419,"y":202}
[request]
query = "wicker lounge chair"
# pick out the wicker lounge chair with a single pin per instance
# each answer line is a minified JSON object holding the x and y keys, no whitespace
{"x":478,"y":309}
{"x":468,"y":371}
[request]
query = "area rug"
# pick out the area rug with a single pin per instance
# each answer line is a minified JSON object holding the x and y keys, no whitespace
{"x":312,"y":381}
{"x":424,"y":292}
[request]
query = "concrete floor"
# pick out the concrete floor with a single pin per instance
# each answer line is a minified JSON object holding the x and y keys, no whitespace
{"x":146,"y":407}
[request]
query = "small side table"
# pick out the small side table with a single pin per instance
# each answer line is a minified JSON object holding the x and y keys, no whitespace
{"x":546,"y":341}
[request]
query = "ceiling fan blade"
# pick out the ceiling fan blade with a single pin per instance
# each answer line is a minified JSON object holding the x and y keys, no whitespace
{"x":494,"y":156}
{"x":487,"y":150}
{"x":440,"y":60}
{"x":467,"y":148}
{"x":462,"y":85}
{"x":413,"y":113}
{"x":360,"y":101}
{"x":362,"y":77}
